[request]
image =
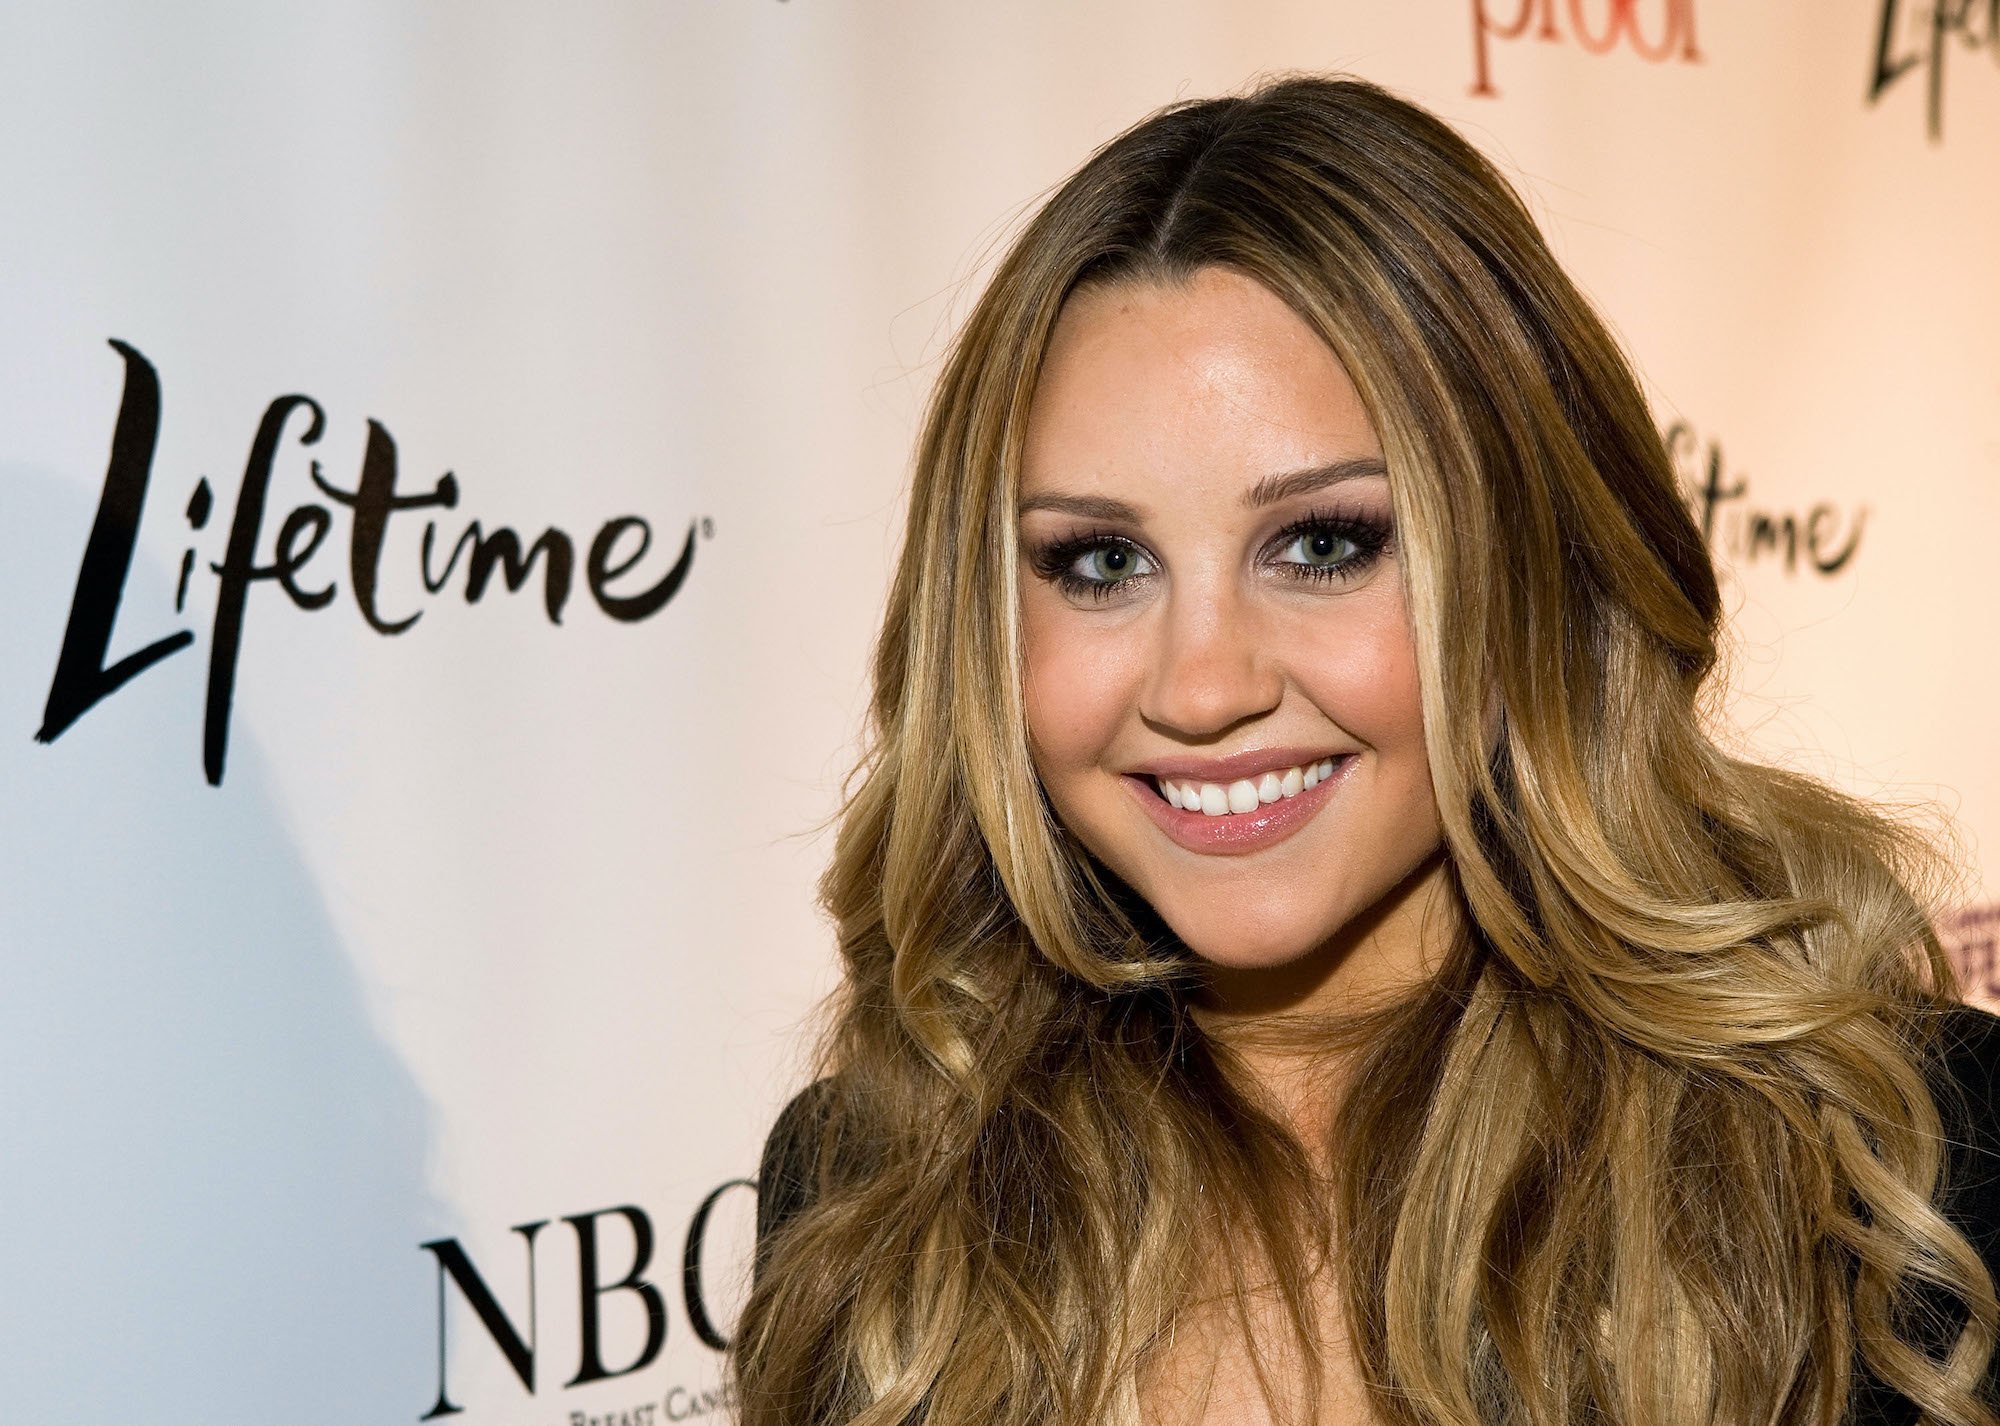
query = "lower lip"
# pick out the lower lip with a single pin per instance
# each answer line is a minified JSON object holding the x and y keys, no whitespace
{"x":1238,"y":833}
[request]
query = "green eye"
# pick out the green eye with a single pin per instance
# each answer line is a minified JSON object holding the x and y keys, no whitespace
{"x":1324,"y":549}
{"x":1092,"y":566}
{"x":1109,"y":564}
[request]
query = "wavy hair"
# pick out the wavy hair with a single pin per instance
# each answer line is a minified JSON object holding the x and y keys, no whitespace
{"x":1654,"y":1145}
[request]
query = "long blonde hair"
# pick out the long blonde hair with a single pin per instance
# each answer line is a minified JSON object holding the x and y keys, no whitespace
{"x":1655,"y":1145}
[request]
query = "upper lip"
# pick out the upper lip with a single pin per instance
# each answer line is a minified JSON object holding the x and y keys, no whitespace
{"x":1249,"y":763}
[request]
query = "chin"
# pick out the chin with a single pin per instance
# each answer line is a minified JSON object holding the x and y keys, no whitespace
{"x":1252,"y":946}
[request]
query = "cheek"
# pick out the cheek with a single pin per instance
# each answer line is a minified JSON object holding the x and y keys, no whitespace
{"x":1077,"y":691}
{"x":1363,"y":672}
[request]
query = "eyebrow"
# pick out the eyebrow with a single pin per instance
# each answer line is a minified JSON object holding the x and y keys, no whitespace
{"x":1268,"y":491}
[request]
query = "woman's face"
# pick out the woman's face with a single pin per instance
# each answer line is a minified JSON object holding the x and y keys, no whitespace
{"x":1220,"y":675}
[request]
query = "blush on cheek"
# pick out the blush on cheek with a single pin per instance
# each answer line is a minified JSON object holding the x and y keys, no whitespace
{"x":1076,"y":693}
{"x":1365,"y":677}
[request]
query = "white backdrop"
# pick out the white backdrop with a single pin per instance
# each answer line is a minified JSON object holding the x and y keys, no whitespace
{"x":498,"y":921}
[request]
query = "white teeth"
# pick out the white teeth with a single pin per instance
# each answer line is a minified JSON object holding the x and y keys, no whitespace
{"x":1214,"y":799}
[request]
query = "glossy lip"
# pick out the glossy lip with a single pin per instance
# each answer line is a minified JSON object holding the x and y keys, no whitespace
{"x":1238,"y":833}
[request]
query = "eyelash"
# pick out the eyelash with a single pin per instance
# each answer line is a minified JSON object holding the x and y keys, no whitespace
{"x":1056,"y":560}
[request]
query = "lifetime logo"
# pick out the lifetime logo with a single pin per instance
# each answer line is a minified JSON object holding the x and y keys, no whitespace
{"x":85,"y":672}
{"x":1655,"y":30}
{"x":1912,"y":41}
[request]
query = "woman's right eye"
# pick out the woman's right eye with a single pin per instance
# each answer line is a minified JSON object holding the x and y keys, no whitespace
{"x":1109,"y":563}
{"x":1093,"y":567}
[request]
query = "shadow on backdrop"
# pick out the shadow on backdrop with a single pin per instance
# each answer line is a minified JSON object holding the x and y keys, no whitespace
{"x":214,"y":1179}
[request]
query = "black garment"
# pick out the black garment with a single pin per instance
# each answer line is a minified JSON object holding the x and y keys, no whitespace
{"x":1966,"y":1085}
{"x":785,"y":1172}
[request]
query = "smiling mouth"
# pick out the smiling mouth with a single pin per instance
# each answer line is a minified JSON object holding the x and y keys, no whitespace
{"x":1212,"y":826}
{"x":1223,"y":799}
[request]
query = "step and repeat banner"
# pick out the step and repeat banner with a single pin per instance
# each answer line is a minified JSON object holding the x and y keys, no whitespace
{"x":450,"y":460}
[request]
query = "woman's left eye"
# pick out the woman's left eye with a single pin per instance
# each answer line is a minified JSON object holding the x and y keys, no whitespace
{"x":1321,"y":549}
{"x":1331,"y":549}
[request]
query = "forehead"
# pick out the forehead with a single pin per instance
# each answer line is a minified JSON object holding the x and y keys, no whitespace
{"x":1215,"y":381}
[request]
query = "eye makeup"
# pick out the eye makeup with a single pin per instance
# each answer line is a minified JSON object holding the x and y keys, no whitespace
{"x":1097,"y":564}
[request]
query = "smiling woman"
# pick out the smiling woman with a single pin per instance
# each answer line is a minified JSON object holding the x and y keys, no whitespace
{"x":1215,"y":641}
{"x":1305,"y":957}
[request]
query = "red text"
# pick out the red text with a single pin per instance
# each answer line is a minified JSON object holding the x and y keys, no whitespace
{"x":1656,"y":30}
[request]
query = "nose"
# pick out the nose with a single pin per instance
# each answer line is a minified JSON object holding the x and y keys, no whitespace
{"x":1212,"y":664}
